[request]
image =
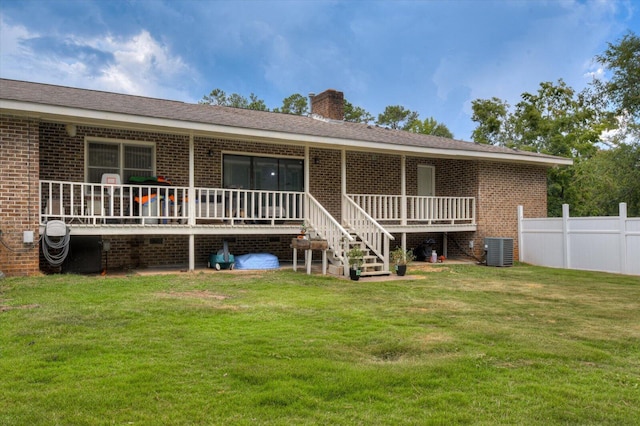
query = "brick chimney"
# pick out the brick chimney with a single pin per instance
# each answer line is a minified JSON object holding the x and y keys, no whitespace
{"x":328,"y":104}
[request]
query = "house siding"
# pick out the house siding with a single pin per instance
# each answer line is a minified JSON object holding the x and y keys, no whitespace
{"x":63,"y":159}
{"x":33,"y":150}
{"x":19,"y":144}
{"x":62,"y":156}
{"x":134,"y":252}
{"x":502,"y":187}
{"x":325,"y":183}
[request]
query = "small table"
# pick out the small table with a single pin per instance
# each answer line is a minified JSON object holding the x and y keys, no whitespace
{"x":308,"y":246}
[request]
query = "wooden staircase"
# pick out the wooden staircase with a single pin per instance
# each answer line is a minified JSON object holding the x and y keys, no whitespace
{"x":372,"y":265}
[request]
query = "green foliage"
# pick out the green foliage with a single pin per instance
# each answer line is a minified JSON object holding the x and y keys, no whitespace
{"x":558,"y":121}
{"x":466,"y":345}
{"x":493,"y":121}
{"x":398,"y":256}
{"x":623,"y":88}
{"x":295,"y":104}
{"x":256,"y":104}
{"x":555,"y":121}
{"x":355,"y":114}
{"x":607,"y":179}
{"x":396,"y":117}
{"x":216,"y":97}
{"x":429,"y":127}
{"x":355,"y":255}
{"x":219,"y":97}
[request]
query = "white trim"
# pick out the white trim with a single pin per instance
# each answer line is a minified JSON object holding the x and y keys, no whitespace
{"x":256,"y":154}
{"x":119,"y":120}
{"x":121,"y":142}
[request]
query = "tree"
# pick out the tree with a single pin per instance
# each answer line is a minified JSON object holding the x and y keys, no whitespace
{"x":219,"y":97}
{"x":623,"y":88}
{"x":557,"y":121}
{"x":492,"y":118}
{"x":429,"y":126}
{"x":397,"y":117}
{"x":356,"y":114}
{"x":294,"y":104}
{"x":237,"y":101}
{"x":216,"y":97}
{"x":256,"y":104}
{"x":609,"y":177}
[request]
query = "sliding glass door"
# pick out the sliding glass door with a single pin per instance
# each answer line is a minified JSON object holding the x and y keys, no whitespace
{"x":267,"y":174}
{"x":263,"y":173}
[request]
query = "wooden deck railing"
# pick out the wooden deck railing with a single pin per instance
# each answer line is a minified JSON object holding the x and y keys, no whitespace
{"x":89,"y":203}
{"x":418,"y":209}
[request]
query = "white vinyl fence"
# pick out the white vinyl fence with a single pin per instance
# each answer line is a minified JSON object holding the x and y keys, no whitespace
{"x":609,"y":244}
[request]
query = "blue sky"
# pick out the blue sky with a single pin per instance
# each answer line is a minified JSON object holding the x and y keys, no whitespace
{"x":433,"y":57}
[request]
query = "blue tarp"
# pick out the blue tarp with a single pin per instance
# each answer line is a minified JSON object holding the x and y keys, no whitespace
{"x":257,"y":261}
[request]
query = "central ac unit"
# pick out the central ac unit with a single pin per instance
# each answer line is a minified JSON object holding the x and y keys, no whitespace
{"x":499,"y":251}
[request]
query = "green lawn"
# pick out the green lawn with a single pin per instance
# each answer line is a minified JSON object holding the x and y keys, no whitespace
{"x":465,"y":345}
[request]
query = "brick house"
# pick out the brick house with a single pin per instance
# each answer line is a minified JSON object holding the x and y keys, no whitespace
{"x":248,"y":177}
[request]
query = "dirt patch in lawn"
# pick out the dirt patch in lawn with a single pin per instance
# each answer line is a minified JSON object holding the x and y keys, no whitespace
{"x":192,"y":294}
{"x":4,"y":308}
{"x":429,"y":267}
{"x":199,"y":298}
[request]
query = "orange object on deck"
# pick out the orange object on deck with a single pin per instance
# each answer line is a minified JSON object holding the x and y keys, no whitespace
{"x":145,"y":199}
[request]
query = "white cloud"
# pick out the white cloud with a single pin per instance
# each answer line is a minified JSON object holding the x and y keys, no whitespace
{"x":137,"y":65}
{"x":141,"y":65}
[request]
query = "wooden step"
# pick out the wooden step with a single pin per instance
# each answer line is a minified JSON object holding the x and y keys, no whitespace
{"x":374,"y":273}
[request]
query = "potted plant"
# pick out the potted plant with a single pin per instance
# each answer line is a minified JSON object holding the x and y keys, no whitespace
{"x":303,"y":230}
{"x":401,"y":258}
{"x":356,"y":259}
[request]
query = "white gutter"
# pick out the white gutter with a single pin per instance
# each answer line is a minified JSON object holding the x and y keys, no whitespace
{"x":92,"y":117}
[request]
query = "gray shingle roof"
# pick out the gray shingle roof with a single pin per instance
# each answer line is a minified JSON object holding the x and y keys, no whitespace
{"x":93,"y":100}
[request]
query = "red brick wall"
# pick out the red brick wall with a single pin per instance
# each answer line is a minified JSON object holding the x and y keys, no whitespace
{"x":501,"y":188}
{"x":209,"y":151}
{"x":329,"y":104}
{"x":373,"y":173}
{"x":63,"y":159}
{"x":128,"y":253}
{"x":62,"y":156}
{"x":18,"y":195}
{"x":498,"y":188}
{"x":325,"y":169}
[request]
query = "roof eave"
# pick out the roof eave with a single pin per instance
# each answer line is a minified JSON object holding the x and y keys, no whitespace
{"x":120,"y":120}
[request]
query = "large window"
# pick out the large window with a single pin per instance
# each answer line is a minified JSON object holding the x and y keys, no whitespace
{"x":263,"y":173}
{"x":124,"y":158}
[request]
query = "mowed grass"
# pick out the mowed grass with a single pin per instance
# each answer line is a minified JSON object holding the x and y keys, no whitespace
{"x":465,"y":345}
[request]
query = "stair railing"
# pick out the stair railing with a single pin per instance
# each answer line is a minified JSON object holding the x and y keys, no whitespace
{"x":367,"y":229}
{"x":327,"y":228}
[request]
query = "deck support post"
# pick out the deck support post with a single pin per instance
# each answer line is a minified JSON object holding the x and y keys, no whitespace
{"x":192,"y":204}
{"x":307,"y":186}
{"x":343,"y":183}
{"x":403,"y":193}
{"x":444,"y":244}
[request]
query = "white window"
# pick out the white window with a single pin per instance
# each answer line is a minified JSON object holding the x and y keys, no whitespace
{"x":121,"y":157}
